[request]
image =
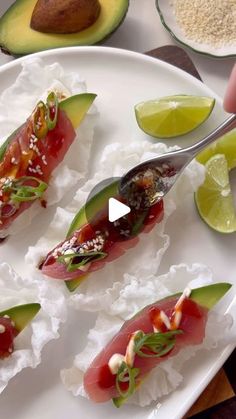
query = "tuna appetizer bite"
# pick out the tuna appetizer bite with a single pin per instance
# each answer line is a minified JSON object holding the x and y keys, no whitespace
{"x":30,"y":155}
{"x":12,"y":322}
{"x":156,"y":333}
{"x":90,"y":245}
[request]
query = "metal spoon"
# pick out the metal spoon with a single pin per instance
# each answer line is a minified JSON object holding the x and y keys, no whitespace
{"x":148,"y":182}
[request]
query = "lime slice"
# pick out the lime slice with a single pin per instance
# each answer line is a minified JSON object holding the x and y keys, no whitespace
{"x":171,"y":116}
{"x":214,"y":198}
{"x":225,"y":145}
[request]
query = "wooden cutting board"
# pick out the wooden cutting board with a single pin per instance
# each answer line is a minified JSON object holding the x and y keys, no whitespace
{"x":218,"y":400}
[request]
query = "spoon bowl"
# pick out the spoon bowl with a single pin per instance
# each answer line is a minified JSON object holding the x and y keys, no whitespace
{"x":148,"y":182}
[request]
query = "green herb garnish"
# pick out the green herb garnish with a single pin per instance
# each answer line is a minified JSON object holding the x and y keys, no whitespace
{"x":40,"y":127}
{"x":146,"y":346}
{"x":75,"y":260}
{"x":127,"y":375}
{"x":138,"y":225}
{"x":153,"y":345}
{"x":20,"y":192}
{"x":52,"y":110}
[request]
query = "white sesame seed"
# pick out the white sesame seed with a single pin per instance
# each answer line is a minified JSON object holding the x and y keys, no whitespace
{"x":210,"y":22}
{"x":2,"y":328}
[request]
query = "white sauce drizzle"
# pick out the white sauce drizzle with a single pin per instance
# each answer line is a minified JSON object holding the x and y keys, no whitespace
{"x":116,"y":360}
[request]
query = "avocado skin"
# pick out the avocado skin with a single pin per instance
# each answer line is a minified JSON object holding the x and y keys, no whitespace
{"x":21,"y":315}
{"x":18,"y":39}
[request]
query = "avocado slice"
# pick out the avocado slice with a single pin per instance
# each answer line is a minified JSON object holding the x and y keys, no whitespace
{"x":75,"y":108}
{"x":17,"y":37}
{"x":207,"y":296}
{"x":21,"y":315}
{"x":3,"y":147}
{"x":92,"y":207}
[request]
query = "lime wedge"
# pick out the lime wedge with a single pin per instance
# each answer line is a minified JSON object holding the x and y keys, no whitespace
{"x":171,"y":116}
{"x":225,"y":145}
{"x":214,"y":198}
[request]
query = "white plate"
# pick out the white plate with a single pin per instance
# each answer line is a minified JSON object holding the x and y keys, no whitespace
{"x":121,"y":79}
{"x":168,"y":19}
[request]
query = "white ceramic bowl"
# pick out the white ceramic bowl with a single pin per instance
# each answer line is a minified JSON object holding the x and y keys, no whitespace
{"x":168,"y":19}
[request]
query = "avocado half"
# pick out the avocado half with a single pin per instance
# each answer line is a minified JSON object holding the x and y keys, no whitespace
{"x":17,"y":38}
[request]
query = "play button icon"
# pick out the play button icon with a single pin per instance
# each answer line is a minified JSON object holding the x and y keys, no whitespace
{"x":105,"y":206}
{"x":116,"y":210}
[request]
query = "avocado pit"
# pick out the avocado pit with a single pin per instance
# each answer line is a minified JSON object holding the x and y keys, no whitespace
{"x":64,"y":16}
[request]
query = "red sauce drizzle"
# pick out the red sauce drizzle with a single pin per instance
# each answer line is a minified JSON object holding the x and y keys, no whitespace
{"x":7,"y":337}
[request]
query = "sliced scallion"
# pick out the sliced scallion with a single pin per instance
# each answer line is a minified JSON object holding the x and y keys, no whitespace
{"x":52,"y":110}
{"x":152,"y":345}
{"x":84,"y":258}
{"x":127,"y":375}
{"x":40,"y":127}
{"x":21,"y":192}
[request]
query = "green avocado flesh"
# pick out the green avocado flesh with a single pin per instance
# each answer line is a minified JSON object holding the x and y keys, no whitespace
{"x":92,"y":207}
{"x":22,"y":315}
{"x":207,"y":296}
{"x":75,"y":108}
{"x":17,"y":37}
{"x":3,"y":147}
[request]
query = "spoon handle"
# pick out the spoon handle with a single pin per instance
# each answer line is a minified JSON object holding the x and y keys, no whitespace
{"x":222,"y":129}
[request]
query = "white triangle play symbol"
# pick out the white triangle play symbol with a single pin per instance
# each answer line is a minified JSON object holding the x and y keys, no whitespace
{"x":116,"y":210}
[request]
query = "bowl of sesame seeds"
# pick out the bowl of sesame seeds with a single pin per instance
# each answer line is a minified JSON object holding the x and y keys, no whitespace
{"x":205,"y":26}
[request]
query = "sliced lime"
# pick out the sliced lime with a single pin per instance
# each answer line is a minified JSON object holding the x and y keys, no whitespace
{"x":214,"y":198}
{"x":225,"y":145}
{"x":171,"y":116}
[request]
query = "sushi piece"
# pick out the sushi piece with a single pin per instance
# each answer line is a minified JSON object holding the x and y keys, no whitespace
{"x":154,"y":334}
{"x":89,"y":246}
{"x":12,"y":322}
{"x":29,"y":156}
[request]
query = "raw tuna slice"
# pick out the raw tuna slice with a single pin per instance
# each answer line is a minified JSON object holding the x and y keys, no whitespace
{"x":39,"y":162}
{"x":93,"y":245}
{"x":29,"y":156}
{"x":100,"y":383}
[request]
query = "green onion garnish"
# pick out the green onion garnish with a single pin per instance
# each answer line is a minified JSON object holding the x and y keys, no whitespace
{"x":152,"y":345}
{"x":70,"y":259}
{"x":40,"y":127}
{"x":21,"y":192}
{"x":52,"y":110}
{"x":127,"y":375}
